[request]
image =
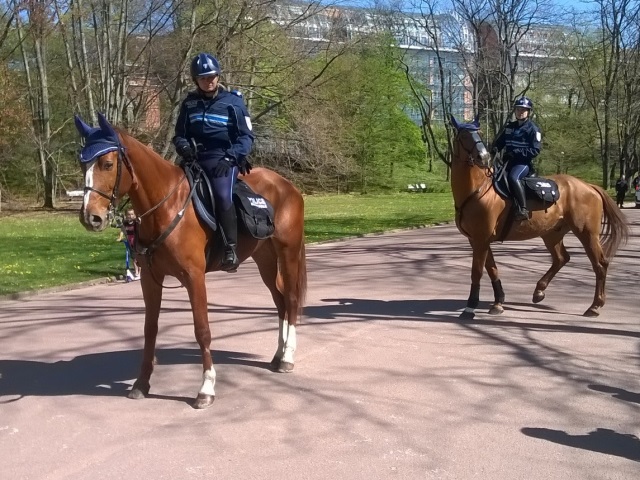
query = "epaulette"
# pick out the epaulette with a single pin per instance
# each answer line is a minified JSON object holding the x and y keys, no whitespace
{"x":237,"y":93}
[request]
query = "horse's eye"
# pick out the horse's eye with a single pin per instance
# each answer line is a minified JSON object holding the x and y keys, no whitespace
{"x":108,"y":165}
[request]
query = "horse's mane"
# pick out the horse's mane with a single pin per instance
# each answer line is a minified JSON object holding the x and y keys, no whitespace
{"x":130,"y":141}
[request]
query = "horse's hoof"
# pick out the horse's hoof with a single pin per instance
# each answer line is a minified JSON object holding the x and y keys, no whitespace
{"x":591,"y":312}
{"x":139,"y":390}
{"x":467,"y":315}
{"x":136,"y":394}
{"x":285,"y":367}
{"x":496,"y":310}
{"x":203,"y":400}
{"x":275,"y":363}
{"x":538,"y":296}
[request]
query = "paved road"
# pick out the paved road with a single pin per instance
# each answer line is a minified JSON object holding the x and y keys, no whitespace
{"x":388,"y":382}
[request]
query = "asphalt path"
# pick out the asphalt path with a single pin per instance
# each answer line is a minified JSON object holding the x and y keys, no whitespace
{"x":388,"y":383}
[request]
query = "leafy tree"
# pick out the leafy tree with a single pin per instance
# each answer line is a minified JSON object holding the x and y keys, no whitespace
{"x":372,"y":94}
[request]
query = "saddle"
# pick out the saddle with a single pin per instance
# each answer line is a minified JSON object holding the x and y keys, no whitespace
{"x":537,"y":188}
{"x":255,"y":214}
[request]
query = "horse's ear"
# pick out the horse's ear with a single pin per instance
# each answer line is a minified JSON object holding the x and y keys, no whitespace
{"x":83,"y":129}
{"x":106,"y":126}
{"x":454,"y":123}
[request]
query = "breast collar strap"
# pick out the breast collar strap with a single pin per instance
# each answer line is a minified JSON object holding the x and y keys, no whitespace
{"x":478,"y":193}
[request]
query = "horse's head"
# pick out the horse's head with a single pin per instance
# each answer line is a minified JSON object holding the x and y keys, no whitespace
{"x":468,"y":145}
{"x":101,"y":159}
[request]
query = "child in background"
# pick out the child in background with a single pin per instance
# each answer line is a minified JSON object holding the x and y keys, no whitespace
{"x":128,"y":236}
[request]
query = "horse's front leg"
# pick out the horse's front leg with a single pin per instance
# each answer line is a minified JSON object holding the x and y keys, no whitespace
{"x":480,"y":252}
{"x":498,"y":292}
{"x":197,"y":289}
{"x":152,"y":295}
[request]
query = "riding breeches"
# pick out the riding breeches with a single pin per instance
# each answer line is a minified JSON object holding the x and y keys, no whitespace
{"x":518,"y":172}
{"x":222,"y":186}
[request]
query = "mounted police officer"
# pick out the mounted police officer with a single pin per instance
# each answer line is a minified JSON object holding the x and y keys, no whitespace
{"x":521,"y":141}
{"x":218,"y":121}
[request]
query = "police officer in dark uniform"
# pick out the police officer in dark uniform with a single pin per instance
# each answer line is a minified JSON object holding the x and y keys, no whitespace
{"x":218,"y":121}
{"x":521,"y":141}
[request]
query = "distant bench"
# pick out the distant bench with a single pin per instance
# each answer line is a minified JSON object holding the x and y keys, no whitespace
{"x":417,"y":187}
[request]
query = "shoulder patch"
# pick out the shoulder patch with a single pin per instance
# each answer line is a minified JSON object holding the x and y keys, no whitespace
{"x":237,"y":93}
{"x":538,"y":136}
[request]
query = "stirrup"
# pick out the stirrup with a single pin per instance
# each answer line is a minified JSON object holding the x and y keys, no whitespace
{"x":522,"y":214}
{"x":229,"y":261}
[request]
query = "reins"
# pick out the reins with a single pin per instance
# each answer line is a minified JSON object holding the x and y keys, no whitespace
{"x":148,"y":251}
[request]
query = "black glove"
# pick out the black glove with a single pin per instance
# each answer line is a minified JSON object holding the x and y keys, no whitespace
{"x":245,"y":167}
{"x":223,"y":167}
{"x":185,"y":151}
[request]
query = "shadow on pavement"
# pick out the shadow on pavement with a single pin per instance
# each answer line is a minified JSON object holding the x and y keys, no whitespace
{"x":432,"y":311}
{"x":99,"y":374}
{"x":601,"y":440}
{"x":619,"y":393}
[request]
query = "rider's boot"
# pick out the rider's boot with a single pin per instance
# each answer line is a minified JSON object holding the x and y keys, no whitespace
{"x":520,"y":203}
{"x":229,"y":226}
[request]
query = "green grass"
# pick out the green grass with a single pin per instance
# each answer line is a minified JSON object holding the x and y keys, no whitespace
{"x":47,"y":249}
{"x":337,"y":216}
{"x":41,"y":250}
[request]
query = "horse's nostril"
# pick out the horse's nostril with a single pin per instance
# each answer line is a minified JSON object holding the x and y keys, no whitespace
{"x":96,"y":220}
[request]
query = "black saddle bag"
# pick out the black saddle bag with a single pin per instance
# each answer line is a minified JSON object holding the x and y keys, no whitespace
{"x":542,"y":188}
{"x":254,"y":211}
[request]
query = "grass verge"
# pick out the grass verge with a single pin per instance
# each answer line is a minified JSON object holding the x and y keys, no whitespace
{"x":48,"y":249}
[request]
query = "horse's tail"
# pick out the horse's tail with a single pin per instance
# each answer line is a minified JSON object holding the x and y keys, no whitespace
{"x":301,"y":282}
{"x":615,"y":229}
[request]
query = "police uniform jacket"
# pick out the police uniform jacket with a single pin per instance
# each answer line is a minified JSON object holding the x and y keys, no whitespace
{"x":522,"y":143}
{"x":220,"y":126}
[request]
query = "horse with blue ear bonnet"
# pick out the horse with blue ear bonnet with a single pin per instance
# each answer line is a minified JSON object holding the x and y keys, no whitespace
{"x":483,"y":216}
{"x":173,"y":241}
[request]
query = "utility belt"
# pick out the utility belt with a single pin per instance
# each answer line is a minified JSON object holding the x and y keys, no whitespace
{"x":212,"y":154}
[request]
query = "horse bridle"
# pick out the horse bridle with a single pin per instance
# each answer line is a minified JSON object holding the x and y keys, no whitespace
{"x":123,"y":158}
{"x":473,"y":159}
{"x":113,"y":198}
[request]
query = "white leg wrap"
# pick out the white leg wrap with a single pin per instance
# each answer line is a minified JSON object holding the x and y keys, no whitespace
{"x":209,"y":382}
{"x":290,"y":344}
{"x":283,"y":326}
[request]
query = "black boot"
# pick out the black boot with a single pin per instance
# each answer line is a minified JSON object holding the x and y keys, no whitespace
{"x":520,"y":203}
{"x":229,"y":229}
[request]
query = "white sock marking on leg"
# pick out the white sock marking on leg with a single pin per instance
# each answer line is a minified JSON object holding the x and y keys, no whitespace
{"x":209,"y":382}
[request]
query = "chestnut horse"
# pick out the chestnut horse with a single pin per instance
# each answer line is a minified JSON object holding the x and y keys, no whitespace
{"x":172,"y":241}
{"x":484,"y":217}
